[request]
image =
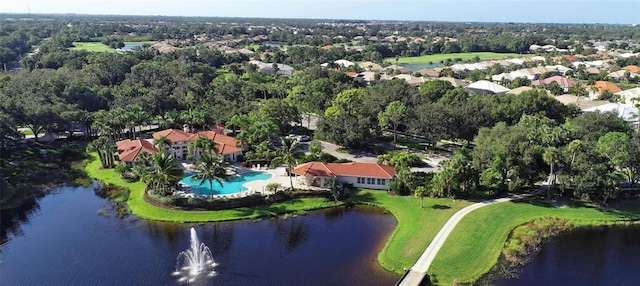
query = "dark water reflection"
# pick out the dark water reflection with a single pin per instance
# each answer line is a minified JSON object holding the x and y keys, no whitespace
{"x":600,"y":256}
{"x":64,"y":241}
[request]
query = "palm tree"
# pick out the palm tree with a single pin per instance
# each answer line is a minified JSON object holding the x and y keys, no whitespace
{"x":573,"y":147}
{"x":136,"y":117}
{"x":550,"y":156}
{"x":144,"y":159}
{"x":261,"y":130}
{"x":161,"y":142}
{"x":286,"y":156}
{"x":164,"y":174}
{"x":238,"y":121}
{"x":105,"y":149}
{"x":421,"y":192}
{"x":210,"y":169}
{"x":578,"y":91}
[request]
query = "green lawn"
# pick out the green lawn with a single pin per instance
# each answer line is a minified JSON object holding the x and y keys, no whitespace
{"x":464,"y":56}
{"x":91,"y":46}
{"x":476,"y":243}
{"x":416,"y":227}
{"x":100,"y":47}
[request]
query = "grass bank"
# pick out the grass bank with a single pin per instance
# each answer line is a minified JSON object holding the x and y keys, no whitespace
{"x":141,"y":208}
{"x":416,"y":227}
{"x":476,"y":243}
{"x":463,"y":56}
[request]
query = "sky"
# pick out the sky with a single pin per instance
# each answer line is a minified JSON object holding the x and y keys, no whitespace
{"x":536,"y":11}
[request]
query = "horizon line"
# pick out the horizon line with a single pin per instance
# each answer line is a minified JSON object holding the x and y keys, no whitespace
{"x":294,"y":18}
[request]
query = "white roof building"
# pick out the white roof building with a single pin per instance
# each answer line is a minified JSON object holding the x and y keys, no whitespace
{"x":486,"y":88}
{"x":628,"y":114}
{"x":469,"y":67}
{"x":538,"y":58}
{"x":629,"y":97}
{"x":513,"y":75}
{"x":342,"y":63}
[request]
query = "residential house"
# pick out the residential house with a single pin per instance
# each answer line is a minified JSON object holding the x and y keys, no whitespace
{"x":564,"y":82}
{"x":411,"y":80}
{"x":370,"y":66}
{"x":582,"y":103}
{"x":635,"y":69}
{"x":628,"y":114}
{"x":361,"y":175}
{"x":340,"y":63}
{"x":538,"y":59}
{"x":485,"y":88}
{"x":469,"y":67}
{"x":370,"y":77}
{"x":227,"y":146}
{"x":429,"y":72}
{"x":519,"y":90}
{"x":600,"y":86}
{"x":164,"y":48}
{"x":454,"y":81}
{"x":630,"y":97}
{"x":273,"y":68}
{"x":622,"y":75}
{"x":513,"y":75}
{"x":393,"y":68}
{"x":129,"y":150}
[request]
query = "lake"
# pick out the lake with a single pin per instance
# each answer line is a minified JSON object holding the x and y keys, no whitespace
{"x":417,"y":67}
{"x":65,"y":238}
{"x":588,"y":256}
{"x":130,"y":47}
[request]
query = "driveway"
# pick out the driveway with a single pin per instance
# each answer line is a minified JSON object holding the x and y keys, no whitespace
{"x":360,"y":156}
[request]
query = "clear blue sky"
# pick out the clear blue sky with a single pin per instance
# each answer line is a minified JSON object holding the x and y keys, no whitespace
{"x":559,"y":11}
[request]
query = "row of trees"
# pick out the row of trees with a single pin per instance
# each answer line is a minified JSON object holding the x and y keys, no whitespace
{"x":592,"y":156}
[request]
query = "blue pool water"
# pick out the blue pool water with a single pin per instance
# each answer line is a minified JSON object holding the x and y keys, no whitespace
{"x":228,"y":187}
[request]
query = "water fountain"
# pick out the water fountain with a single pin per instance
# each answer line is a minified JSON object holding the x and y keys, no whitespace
{"x":195,"y":261}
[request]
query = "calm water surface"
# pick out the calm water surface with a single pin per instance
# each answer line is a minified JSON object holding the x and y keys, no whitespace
{"x":63,"y":240}
{"x":601,"y":256}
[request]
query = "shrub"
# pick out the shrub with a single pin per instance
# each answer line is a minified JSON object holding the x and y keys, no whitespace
{"x":273,"y":187}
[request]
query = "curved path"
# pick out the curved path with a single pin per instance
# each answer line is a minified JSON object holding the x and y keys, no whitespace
{"x":419,"y":270}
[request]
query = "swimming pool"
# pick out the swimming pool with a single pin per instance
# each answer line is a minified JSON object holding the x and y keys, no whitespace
{"x":228,"y":187}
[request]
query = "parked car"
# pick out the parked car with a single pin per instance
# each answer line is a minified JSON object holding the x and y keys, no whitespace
{"x":299,"y":138}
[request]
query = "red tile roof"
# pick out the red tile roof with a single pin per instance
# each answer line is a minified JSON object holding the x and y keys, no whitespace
{"x":632,"y":68}
{"x":226,"y":144}
{"x":224,"y":149}
{"x":601,"y":86}
{"x":174,"y":135}
{"x":128,"y":150}
{"x":353,"y":169}
{"x":351,"y":74}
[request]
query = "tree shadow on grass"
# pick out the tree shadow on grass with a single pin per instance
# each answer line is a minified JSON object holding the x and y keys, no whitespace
{"x":625,"y":211}
{"x":362,"y":197}
{"x":536,"y":201}
{"x":440,"y":207}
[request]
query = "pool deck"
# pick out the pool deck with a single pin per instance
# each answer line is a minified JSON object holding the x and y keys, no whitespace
{"x":279,"y":176}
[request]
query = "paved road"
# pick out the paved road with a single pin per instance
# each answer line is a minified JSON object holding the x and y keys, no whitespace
{"x":419,"y":270}
{"x":366,"y":157}
{"x":360,"y":156}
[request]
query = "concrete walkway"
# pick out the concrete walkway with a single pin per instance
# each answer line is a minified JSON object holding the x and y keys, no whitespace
{"x":419,"y":270}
